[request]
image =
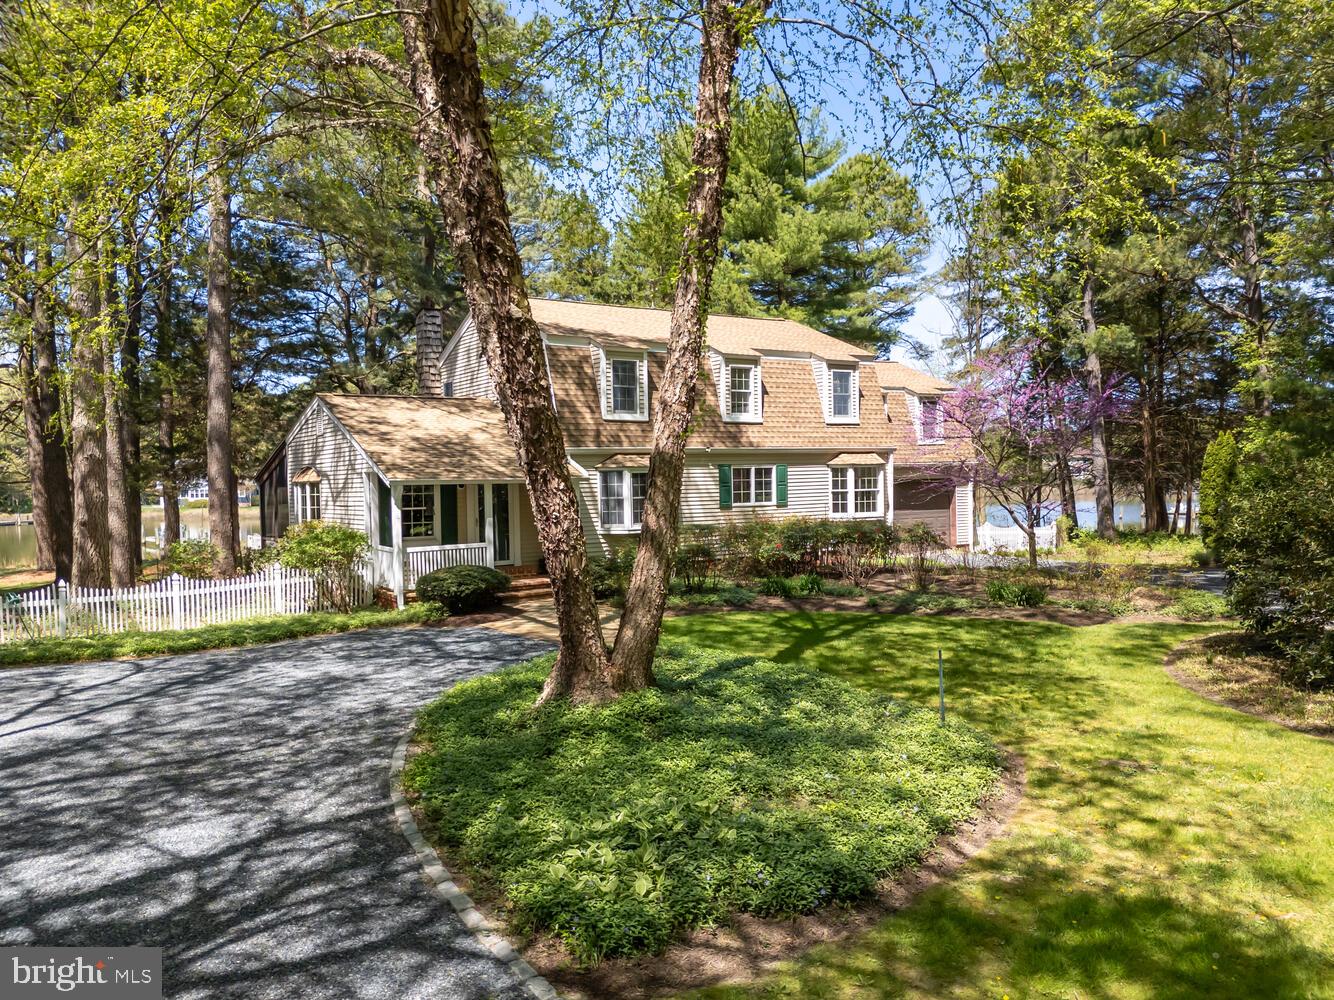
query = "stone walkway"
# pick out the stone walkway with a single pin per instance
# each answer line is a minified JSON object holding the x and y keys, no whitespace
{"x":232,"y":807}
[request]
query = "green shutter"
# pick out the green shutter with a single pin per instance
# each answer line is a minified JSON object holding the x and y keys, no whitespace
{"x":449,"y":514}
{"x":386,"y":515}
{"x":724,"y":487}
{"x":780,"y":485}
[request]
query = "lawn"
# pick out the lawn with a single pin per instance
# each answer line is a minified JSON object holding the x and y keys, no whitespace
{"x":250,"y":632}
{"x":1167,"y":847}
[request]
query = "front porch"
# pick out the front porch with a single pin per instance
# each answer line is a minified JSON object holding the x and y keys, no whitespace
{"x":423,"y":526}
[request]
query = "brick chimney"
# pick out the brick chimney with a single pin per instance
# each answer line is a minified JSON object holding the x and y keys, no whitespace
{"x":430,"y":329}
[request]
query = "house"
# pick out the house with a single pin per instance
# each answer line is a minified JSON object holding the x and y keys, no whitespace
{"x":790,"y":422}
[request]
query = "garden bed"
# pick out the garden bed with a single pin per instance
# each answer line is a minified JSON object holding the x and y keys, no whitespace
{"x":1229,"y":669}
{"x":738,"y":786}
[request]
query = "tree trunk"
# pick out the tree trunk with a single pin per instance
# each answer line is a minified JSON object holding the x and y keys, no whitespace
{"x":1069,"y":509}
{"x":48,"y":465}
{"x":453,"y":131}
{"x":90,"y":562}
{"x":1102,"y":479}
{"x":117,"y":448}
{"x":646,"y":595}
{"x":222,"y":514}
{"x":165,"y":348}
{"x":1253,"y":300}
{"x":131,"y":373}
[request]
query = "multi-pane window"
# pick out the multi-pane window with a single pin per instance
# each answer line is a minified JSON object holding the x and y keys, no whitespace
{"x":866,"y":495}
{"x":618,"y":486}
{"x":931,"y":420}
{"x":840,"y":387}
{"x":752,"y":484}
{"x":624,"y":385}
{"x":740,"y":389}
{"x":418,"y":508}
{"x":638,"y":491}
{"x":308,"y":502}
{"x":854,"y":490}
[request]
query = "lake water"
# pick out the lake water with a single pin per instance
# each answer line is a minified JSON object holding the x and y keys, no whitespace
{"x":18,"y":542}
{"x":1127,"y":515}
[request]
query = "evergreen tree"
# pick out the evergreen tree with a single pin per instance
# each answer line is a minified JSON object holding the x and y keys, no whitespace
{"x":811,"y":234}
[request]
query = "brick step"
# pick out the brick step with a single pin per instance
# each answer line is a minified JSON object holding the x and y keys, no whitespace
{"x":530,"y":586}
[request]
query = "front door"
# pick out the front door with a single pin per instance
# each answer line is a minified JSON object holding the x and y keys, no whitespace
{"x":500,"y":511}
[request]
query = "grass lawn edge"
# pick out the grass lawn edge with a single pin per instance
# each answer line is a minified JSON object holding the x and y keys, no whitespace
{"x":49,"y":652}
{"x":1204,"y":689}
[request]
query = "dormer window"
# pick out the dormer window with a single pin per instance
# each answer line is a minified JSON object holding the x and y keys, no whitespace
{"x":931,"y":420}
{"x":741,"y":395}
{"x":843,"y":396}
{"x":625,"y":386}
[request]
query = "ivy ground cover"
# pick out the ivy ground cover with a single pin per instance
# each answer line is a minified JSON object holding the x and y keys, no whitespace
{"x":738,"y":785}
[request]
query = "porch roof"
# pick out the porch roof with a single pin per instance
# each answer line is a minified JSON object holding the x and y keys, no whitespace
{"x":858,"y":458}
{"x":421,"y":437}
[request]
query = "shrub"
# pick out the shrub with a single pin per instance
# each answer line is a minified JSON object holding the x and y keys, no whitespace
{"x":192,"y":557}
{"x":810,"y":584}
{"x":736,"y":785}
{"x":856,"y":549}
{"x":1278,"y":545}
{"x":330,"y":552}
{"x":460,"y":589}
{"x":695,"y":559}
{"x":777,"y":586}
{"x":737,"y":597}
{"x":919,"y":541}
{"x":1016,"y":593}
{"x":610,"y":574}
{"x":1197,"y":606}
{"x":804,"y":540}
{"x":1216,"y":480}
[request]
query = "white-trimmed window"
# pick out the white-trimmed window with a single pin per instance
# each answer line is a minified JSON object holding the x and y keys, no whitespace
{"x":418,"y":509}
{"x":752,"y":484}
{"x":931,"y":424}
{"x":855,"y":491}
{"x":743,"y":392}
{"x":624,"y":386}
{"x":843,"y":395}
{"x":621,"y":494}
{"x":307,"y":502}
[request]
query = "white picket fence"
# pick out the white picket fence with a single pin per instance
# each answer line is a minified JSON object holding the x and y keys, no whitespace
{"x":993,"y":538}
{"x":175,"y":602}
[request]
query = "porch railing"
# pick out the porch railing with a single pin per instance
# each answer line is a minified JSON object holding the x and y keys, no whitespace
{"x":428,"y":558}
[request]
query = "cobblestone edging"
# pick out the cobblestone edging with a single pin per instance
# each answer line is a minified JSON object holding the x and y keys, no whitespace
{"x":447,"y":889}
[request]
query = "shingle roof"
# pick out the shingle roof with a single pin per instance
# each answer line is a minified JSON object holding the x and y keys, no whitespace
{"x":745,"y":336}
{"x":419,"y":437}
{"x":893,"y":375}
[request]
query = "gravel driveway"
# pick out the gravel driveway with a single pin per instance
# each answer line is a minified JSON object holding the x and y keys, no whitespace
{"x":232,"y":808}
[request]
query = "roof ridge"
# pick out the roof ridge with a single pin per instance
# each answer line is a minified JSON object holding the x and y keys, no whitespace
{"x":619,"y":305}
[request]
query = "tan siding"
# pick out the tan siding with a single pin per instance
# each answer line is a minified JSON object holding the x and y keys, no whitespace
{"x":318,"y":442}
{"x":466,"y":367}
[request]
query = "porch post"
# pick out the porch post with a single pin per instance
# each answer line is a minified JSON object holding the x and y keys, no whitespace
{"x":889,"y":489}
{"x":488,"y":505}
{"x":400,"y":553}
